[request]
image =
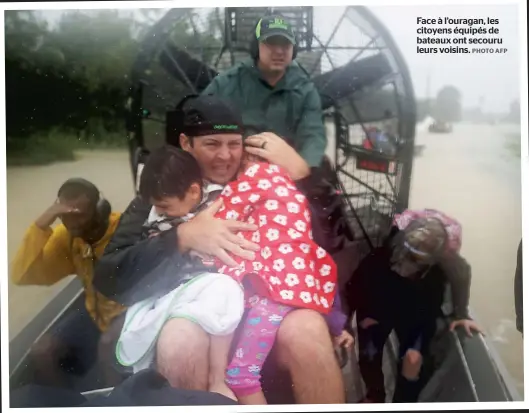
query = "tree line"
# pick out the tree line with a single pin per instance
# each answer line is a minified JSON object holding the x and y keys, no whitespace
{"x":67,"y":83}
{"x":69,"y":80}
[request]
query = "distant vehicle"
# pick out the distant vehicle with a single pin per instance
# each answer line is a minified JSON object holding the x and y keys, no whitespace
{"x":440,"y":127}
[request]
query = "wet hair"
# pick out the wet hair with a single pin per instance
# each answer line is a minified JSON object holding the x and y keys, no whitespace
{"x":75,"y":187}
{"x":169,"y":172}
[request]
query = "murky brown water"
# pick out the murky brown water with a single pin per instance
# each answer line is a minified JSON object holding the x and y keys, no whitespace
{"x":472,"y":176}
{"x":468,"y":174}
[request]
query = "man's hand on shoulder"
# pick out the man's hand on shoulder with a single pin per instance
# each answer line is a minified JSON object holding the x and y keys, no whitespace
{"x":276,"y":150}
{"x":210,"y":236}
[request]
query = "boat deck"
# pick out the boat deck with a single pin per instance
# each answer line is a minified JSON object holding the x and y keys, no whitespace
{"x":355,"y":389}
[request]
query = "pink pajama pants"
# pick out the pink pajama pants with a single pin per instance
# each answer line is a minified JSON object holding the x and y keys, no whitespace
{"x":255,"y":343}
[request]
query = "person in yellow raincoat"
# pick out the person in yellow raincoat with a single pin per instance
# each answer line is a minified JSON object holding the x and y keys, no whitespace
{"x":47,"y":256}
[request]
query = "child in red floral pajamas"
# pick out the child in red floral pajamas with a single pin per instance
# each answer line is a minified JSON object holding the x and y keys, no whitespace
{"x":291,"y":271}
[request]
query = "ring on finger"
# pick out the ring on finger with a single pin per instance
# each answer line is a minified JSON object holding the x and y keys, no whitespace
{"x":263,"y":145}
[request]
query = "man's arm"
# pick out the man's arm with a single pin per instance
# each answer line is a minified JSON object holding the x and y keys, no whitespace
{"x":128,"y":258}
{"x":43,"y":258}
{"x":459,"y":274}
{"x":311,"y":130}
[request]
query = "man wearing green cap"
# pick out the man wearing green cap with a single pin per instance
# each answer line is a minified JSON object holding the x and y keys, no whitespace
{"x":275,"y":95}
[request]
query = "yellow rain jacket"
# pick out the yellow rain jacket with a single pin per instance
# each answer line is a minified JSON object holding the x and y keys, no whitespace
{"x":47,"y":256}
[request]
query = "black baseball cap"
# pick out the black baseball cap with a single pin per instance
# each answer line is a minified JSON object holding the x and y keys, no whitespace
{"x":200,"y":115}
{"x":274,"y":25}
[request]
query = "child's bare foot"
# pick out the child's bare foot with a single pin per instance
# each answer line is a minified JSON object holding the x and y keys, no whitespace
{"x":223,"y":389}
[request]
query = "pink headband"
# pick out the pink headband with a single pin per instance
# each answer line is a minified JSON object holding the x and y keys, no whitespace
{"x":453,"y":228}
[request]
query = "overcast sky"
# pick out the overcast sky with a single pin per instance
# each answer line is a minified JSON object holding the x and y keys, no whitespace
{"x":492,"y":77}
{"x":496,"y":77}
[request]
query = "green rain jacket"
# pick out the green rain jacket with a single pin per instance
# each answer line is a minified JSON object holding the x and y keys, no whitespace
{"x":291,"y":109}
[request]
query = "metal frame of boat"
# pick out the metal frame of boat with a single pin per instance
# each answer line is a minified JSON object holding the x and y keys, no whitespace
{"x":466,"y":369}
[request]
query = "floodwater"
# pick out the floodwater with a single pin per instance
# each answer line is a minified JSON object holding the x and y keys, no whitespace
{"x":468,"y":174}
{"x":471,"y":176}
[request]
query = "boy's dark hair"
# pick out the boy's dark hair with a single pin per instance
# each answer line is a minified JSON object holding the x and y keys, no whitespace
{"x":169,"y":172}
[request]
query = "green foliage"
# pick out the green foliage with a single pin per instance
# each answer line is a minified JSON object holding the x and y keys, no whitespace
{"x":59,"y":145}
{"x":67,"y":77}
{"x":98,"y":50}
{"x":66,"y":86}
{"x":42,"y":149}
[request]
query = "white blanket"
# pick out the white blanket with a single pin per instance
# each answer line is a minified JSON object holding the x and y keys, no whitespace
{"x":213,"y":301}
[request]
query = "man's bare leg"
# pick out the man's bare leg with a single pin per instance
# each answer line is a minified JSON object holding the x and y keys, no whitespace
{"x":305,"y":349}
{"x":182,"y":354}
{"x":219,"y":350}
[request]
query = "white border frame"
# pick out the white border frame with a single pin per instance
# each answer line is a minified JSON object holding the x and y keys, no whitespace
{"x":208,"y":3}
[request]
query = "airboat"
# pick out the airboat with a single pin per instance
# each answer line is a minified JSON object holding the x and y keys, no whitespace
{"x":361,"y":77}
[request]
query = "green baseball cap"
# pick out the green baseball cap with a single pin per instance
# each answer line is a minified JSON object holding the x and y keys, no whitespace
{"x":274,"y":26}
